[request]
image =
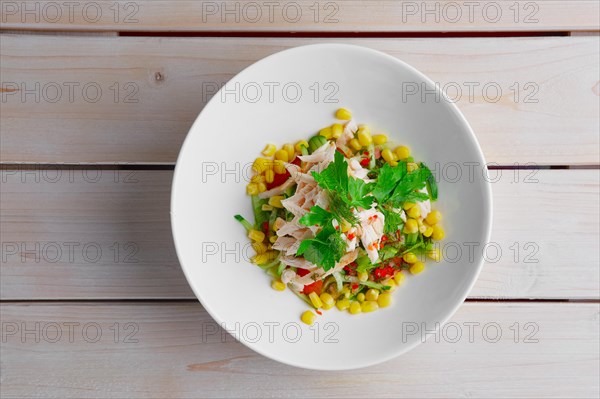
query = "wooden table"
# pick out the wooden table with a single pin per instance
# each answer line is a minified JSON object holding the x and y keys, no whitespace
{"x":97,"y":97}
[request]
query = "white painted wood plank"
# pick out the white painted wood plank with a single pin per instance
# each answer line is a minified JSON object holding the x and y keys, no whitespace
{"x":303,"y":15}
{"x":67,"y":220}
{"x":161,"y":84}
{"x":180,"y":353}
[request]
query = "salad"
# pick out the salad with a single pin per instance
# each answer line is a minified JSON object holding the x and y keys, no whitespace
{"x":341,"y":219}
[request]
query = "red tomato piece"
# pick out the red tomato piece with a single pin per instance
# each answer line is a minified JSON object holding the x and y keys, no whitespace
{"x":301,"y":272}
{"x":316,"y":287}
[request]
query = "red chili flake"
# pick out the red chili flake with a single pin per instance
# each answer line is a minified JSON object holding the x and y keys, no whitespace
{"x":354,"y":286}
{"x":366,"y":153}
{"x":383,"y":272}
{"x":265,"y":227}
{"x":319,"y":312}
{"x":364,"y":162}
{"x":350,"y":236}
{"x":384,"y":238}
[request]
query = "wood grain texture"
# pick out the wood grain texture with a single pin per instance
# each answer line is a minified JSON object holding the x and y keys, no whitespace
{"x":153,"y":88}
{"x":71,"y":237}
{"x":304,"y":15}
{"x":181,"y":353}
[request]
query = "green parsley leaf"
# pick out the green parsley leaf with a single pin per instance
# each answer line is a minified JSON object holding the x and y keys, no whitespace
{"x":358,"y":190}
{"x":407,"y":189}
{"x":387,"y":180}
{"x":395,"y":185}
{"x":316,"y":216}
{"x":325,"y":249}
{"x":344,"y":192}
{"x":335,"y":175}
{"x":393,"y":221}
{"x":432,"y":187}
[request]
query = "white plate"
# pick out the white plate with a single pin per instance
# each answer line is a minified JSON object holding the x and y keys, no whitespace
{"x":287,"y":97}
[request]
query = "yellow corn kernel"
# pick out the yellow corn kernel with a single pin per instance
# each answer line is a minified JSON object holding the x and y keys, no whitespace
{"x":315,"y":300}
{"x":411,"y":166}
{"x":363,"y":276}
{"x":364,"y":128}
{"x":438,"y":233}
{"x":298,"y":146}
{"x":364,"y":138}
{"x":262,"y":187}
{"x":369,"y":306}
{"x":384,"y":300}
{"x":390,"y":282}
{"x":360,"y":297}
{"x":399,"y":278}
{"x":387,"y":155}
{"x":409,"y":257}
{"x":380,"y":139}
{"x":408,"y":205}
{"x":343,"y":304}
{"x":327,"y":300}
{"x":272,"y":239}
{"x":435,"y":254}
{"x":345,"y":292}
{"x":308,"y":317}
{"x":266,"y":207}
{"x":290,"y":150}
{"x":433,"y":217}
{"x":355,"y":308}
{"x":282,"y":155}
{"x":258,"y":179}
{"x":275,"y":201}
{"x":411,"y":226}
{"x":261,"y":164}
{"x":269,"y":150}
{"x":393,"y":163}
{"x":259,"y":247}
{"x":414,"y":212}
{"x":261,"y":259}
{"x":252,"y":189}
{"x":343,"y":114}
{"x":428,"y":231}
{"x":355,"y":144}
{"x":417,"y":267}
{"x":256,"y":235}
{"x":279,"y":166}
{"x":269,"y":176}
{"x":337,"y":130}
{"x":345,"y":226}
{"x":402,"y":152}
{"x":326,"y":132}
{"x":372,"y":294}
{"x":278,"y":285}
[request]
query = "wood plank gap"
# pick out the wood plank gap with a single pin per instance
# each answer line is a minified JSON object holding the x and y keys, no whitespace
{"x":344,"y":34}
